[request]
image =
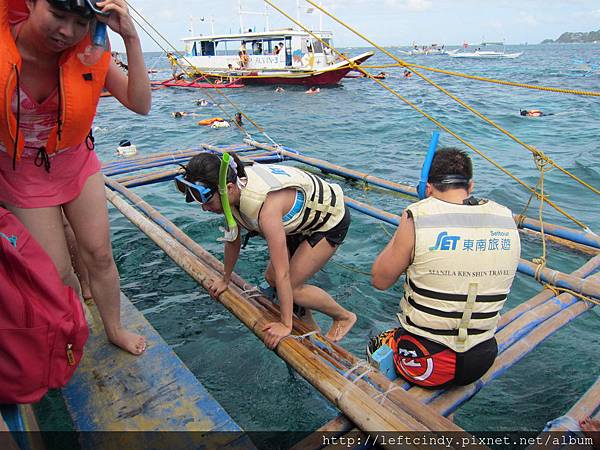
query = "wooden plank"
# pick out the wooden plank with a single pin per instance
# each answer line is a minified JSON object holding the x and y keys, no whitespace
{"x":115,"y":391}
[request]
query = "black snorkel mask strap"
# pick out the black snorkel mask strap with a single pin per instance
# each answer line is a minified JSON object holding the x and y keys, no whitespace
{"x":449,"y":179}
{"x":85,"y":8}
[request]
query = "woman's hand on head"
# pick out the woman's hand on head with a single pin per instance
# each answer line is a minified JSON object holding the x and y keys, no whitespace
{"x":119,"y":19}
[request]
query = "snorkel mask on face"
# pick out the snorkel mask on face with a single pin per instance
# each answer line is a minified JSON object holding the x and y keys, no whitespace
{"x":203,"y":193}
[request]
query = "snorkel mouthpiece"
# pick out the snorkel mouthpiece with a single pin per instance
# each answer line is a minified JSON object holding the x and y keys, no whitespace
{"x":231,"y":233}
{"x":422,"y":187}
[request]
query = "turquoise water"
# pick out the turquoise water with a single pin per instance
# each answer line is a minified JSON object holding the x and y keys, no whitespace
{"x":361,"y":126}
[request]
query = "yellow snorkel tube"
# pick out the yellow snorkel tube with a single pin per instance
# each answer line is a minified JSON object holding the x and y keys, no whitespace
{"x":231,"y":231}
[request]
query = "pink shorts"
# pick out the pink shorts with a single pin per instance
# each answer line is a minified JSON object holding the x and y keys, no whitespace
{"x":29,"y":186}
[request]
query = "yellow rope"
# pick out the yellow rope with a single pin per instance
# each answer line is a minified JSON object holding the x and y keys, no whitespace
{"x":366,"y":189}
{"x":455,"y":98}
{"x":432,"y":119}
{"x":557,"y":291}
{"x":350,"y":268}
{"x":487,"y":80}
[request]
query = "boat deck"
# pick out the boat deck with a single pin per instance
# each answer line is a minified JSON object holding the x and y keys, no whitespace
{"x":115,"y":391}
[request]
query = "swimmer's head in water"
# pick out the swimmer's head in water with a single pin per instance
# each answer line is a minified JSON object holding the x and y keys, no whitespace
{"x":523,"y":112}
{"x":178,"y":114}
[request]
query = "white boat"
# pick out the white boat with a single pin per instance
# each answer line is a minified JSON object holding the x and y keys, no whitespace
{"x":257,"y":57}
{"x":482,"y":53}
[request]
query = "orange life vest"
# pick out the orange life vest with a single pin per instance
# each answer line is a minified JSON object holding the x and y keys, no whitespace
{"x":79,"y":90}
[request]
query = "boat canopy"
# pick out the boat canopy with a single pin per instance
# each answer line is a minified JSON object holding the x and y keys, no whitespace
{"x":249,"y":36}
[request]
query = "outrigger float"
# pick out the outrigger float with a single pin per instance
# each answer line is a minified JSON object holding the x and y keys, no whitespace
{"x":165,"y":395}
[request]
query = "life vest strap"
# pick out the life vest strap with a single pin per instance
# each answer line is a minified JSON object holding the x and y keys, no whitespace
{"x":454,"y":332}
{"x":449,"y":314}
{"x":455,"y":297}
{"x":466,"y":316}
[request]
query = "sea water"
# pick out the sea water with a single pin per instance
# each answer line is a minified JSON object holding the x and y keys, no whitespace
{"x":361,"y":126}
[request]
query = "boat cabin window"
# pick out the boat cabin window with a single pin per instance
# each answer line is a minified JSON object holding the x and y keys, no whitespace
{"x":306,"y":46}
{"x":317,"y":46}
{"x":221,"y":49}
{"x":257,"y":48}
{"x":194,"y":51}
{"x":208,"y":48}
{"x":269,"y":46}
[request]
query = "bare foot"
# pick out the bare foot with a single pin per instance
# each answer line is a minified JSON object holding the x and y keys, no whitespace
{"x":339,"y":328}
{"x":128,"y":341}
{"x":591,"y":428}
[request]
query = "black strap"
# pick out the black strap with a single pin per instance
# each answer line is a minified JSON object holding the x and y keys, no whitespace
{"x":470,"y":331}
{"x":249,"y":234}
{"x":315,"y":220}
{"x":454,"y":297}
{"x":471,"y":201}
{"x":90,"y":141}
{"x":328,"y":215}
{"x":449,"y":314}
{"x":42,"y":159}
{"x":306,"y":210}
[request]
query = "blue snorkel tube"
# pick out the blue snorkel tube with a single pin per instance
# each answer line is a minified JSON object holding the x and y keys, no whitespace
{"x":99,"y":37}
{"x":422,"y":187}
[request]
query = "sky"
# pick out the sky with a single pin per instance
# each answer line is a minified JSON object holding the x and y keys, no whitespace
{"x":387,"y":22}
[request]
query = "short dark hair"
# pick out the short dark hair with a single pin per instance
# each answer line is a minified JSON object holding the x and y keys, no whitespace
{"x":205,"y":168}
{"x":451,"y":168}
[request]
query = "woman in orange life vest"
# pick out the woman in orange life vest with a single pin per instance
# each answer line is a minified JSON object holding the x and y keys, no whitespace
{"x":49,"y":90}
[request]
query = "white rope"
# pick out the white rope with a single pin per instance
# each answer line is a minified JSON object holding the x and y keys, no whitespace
{"x":305,"y":335}
{"x":360,"y":364}
{"x":384,"y":395}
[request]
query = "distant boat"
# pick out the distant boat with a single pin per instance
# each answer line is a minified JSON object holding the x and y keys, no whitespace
{"x":432,"y":50}
{"x":271,"y":57}
{"x":499,"y":53}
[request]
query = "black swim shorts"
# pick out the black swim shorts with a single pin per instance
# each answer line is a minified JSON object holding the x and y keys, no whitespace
{"x":334,"y":236}
{"x":432,"y":365}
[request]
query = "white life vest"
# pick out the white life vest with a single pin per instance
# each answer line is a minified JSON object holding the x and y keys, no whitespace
{"x":322,"y":209}
{"x":464,"y":263}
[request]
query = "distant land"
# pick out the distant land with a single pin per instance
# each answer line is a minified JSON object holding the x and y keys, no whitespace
{"x":577,"y":37}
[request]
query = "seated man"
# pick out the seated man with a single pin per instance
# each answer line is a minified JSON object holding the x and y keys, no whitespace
{"x":460,"y":255}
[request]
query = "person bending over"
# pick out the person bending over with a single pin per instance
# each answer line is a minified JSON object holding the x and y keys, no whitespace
{"x":460,"y":255}
{"x":303,"y":219}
